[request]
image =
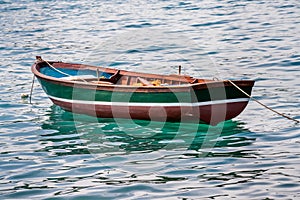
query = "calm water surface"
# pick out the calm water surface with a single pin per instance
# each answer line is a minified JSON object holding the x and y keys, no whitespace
{"x":47,"y":153}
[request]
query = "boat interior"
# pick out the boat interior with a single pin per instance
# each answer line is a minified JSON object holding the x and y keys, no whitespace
{"x":108,"y":76}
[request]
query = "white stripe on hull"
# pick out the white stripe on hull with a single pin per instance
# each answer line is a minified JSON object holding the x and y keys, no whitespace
{"x":107,"y":103}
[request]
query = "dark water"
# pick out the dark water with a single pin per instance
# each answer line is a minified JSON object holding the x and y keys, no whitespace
{"x":47,"y":153}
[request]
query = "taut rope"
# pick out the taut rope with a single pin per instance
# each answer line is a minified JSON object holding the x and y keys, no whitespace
{"x":281,"y":114}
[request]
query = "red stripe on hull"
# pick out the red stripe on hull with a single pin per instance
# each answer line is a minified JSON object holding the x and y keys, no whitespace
{"x":210,"y":114}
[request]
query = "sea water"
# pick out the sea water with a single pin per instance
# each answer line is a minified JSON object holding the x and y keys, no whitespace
{"x":47,"y":153}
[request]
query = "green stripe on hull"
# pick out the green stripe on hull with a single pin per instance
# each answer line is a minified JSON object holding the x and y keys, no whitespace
{"x":68,"y":92}
{"x":220,"y":93}
{"x":202,"y":95}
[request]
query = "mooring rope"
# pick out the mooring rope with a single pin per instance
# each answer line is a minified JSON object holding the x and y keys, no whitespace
{"x":281,"y":114}
{"x":31,"y":89}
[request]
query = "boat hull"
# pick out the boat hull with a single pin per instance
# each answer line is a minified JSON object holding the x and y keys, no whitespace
{"x":208,"y":101}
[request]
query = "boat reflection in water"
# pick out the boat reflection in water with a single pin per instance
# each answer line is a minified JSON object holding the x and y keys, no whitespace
{"x":68,"y":133}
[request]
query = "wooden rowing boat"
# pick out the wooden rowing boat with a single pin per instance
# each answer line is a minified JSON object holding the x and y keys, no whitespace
{"x":112,"y":93}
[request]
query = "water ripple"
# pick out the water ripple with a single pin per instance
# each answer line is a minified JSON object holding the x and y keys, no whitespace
{"x":47,"y":153}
